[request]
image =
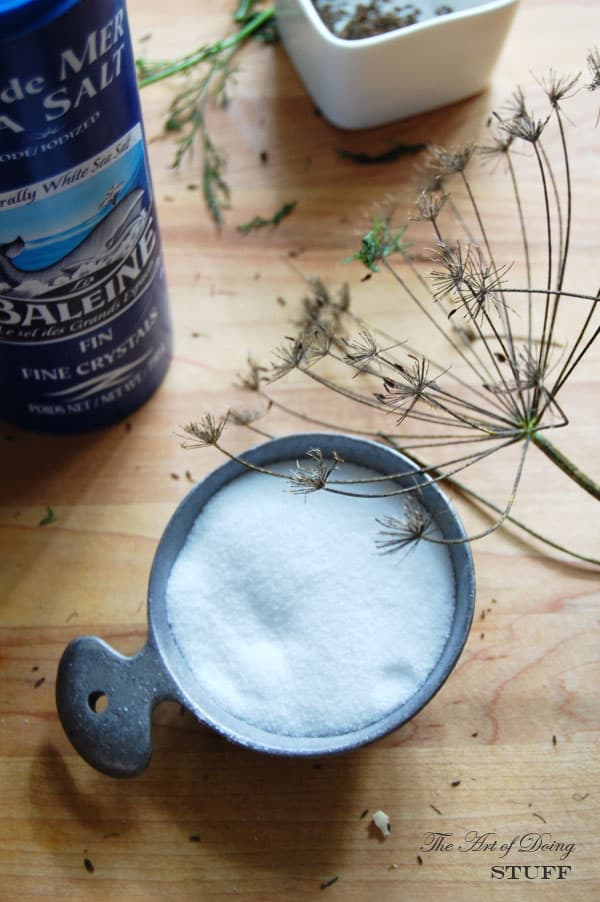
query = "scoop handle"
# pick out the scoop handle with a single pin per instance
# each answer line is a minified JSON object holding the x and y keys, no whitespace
{"x":105,"y":702}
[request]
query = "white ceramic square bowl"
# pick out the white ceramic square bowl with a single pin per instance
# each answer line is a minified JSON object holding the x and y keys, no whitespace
{"x":370,"y":81}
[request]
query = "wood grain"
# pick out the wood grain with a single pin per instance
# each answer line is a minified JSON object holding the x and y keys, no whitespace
{"x":508,"y":747}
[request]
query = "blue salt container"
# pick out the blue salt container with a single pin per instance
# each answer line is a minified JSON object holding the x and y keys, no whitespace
{"x":85,"y":334}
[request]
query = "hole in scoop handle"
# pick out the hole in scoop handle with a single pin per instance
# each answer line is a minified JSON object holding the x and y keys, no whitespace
{"x":105,"y":703}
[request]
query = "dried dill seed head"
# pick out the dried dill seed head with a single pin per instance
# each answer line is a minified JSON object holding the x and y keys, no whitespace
{"x":321,"y":309}
{"x":525,"y":127}
{"x":416,"y":524}
{"x":313,"y":476}
{"x":442,"y":162}
{"x":559,"y":87}
{"x":361,"y":352}
{"x":498,"y":146}
{"x":430,"y":204}
{"x":593,"y":62}
{"x":303,"y":350}
{"x":245,"y":417}
{"x":455,"y":263}
{"x":252,"y":377}
{"x":207,"y":431}
{"x":516,"y":106}
{"x":467,"y":280}
{"x":401,"y":394}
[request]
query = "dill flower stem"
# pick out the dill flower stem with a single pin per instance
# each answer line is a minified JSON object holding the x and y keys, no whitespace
{"x":544,"y":183}
{"x":443,"y":332}
{"x":566,"y":465}
{"x":567,"y":237}
{"x":210,"y":50}
{"x":480,"y":499}
{"x":490,"y":253}
{"x":569,"y":366}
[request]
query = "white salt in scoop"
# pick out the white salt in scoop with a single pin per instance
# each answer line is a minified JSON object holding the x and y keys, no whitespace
{"x":273,"y":618}
{"x":291,"y":620}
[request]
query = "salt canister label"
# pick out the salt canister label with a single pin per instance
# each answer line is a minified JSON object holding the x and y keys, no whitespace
{"x":85,"y":334}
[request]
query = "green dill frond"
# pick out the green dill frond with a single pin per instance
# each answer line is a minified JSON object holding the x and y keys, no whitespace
{"x":377,"y":244}
{"x":261,"y":222}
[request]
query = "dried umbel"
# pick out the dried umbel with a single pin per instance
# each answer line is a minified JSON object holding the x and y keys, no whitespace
{"x":506,"y":361}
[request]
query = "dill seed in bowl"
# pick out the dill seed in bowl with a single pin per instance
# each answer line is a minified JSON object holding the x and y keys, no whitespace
{"x":355,"y":19}
{"x":289,"y":617}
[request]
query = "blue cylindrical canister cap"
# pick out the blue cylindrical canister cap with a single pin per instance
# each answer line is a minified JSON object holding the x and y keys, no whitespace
{"x":18,"y":16}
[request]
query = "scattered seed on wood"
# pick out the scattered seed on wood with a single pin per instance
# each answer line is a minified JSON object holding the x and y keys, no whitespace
{"x":329,"y":882}
{"x":553,"y":740}
{"x":34,"y":668}
{"x":88,"y":866}
{"x":39,"y":682}
{"x":475,"y":734}
{"x":366,"y":277}
{"x":579,"y":797}
{"x":175,"y":476}
{"x":192,"y":187}
{"x":49,"y":518}
{"x":264,"y":156}
{"x":71,"y":616}
{"x":437,"y":810}
{"x":111,"y":835}
{"x":194,"y":838}
{"x":483,"y":615}
{"x":419,"y":859}
{"x":455,"y":783}
{"x":281,"y":301}
{"x":482,"y":636}
{"x":188,"y":476}
{"x":364,"y":814}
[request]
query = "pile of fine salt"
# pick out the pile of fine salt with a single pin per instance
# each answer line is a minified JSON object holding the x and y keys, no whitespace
{"x":291,"y":620}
